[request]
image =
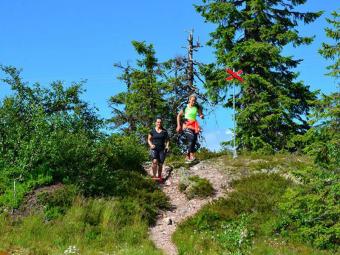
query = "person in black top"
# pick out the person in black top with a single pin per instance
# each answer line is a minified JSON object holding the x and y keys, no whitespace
{"x":158,"y":141}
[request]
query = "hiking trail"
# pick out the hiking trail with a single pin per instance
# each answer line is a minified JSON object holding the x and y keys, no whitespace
{"x":181,"y":206}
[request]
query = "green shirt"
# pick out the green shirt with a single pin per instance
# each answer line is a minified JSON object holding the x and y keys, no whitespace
{"x":190,"y":113}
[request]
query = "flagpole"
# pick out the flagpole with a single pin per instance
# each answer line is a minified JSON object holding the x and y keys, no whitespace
{"x":234,"y":75}
{"x":234,"y":133}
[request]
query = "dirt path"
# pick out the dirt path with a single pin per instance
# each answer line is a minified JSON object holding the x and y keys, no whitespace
{"x":182,"y":208}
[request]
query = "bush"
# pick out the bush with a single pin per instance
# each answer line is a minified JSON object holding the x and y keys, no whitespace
{"x":311,"y":211}
{"x":196,"y":187}
{"x":56,"y":202}
{"x":130,"y":184}
{"x":204,"y":153}
{"x":227,"y":226}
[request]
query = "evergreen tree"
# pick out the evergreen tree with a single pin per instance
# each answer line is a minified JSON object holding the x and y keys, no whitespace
{"x":135,"y":110}
{"x":333,"y":51}
{"x":250,"y":35}
{"x":323,"y":140}
{"x":155,"y":89}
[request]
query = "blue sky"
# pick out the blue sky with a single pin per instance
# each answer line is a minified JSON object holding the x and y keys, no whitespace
{"x":81,"y":39}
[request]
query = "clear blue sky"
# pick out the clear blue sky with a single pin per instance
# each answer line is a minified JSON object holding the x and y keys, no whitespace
{"x":81,"y":39}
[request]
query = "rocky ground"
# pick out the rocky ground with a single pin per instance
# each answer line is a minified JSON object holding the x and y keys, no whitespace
{"x":183,"y":208}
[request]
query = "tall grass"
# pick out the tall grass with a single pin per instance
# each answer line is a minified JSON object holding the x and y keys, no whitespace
{"x":110,"y":226}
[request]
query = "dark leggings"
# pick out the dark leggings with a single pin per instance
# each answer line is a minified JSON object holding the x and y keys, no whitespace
{"x":159,"y":155}
{"x":192,"y":139}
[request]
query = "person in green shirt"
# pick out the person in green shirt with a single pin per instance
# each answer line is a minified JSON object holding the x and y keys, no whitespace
{"x":190,"y":127}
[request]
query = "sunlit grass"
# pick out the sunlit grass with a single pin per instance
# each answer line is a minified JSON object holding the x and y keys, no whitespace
{"x":245,"y":222}
{"x":91,"y":225}
{"x":196,"y":187}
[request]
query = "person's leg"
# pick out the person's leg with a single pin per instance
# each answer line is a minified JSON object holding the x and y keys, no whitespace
{"x":192,"y":138}
{"x":193,"y":148}
{"x":188,"y":137}
{"x":154,"y":155}
{"x":154,"y":167}
{"x":160,"y":168}
{"x":160,"y":163}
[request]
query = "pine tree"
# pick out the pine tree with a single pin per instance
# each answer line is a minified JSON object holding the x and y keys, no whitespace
{"x":154,"y":89}
{"x":250,"y":35}
{"x":323,"y":140}
{"x":333,"y":51}
{"x":136,"y":109}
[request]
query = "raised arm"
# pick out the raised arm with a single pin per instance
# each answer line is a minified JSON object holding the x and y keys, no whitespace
{"x":200,"y":112}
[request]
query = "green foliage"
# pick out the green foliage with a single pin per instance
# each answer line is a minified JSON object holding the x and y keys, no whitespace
{"x":333,"y":51}
{"x":322,"y":141}
{"x":145,"y":90}
{"x":196,"y":187}
{"x":250,"y":35}
{"x":98,"y":176}
{"x":279,"y":246}
{"x":227,"y":226}
{"x":50,"y":135}
{"x":93,"y":226}
{"x":57,"y":202}
{"x":10,"y":198}
{"x":234,"y":235}
{"x":205,"y":153}
{"x":275,"y":215}
{"x":311,"y":211}
{"x":176,"y":161}
{"x":257,"y":194}
{"x":130,"y":184}
{"x":159,"y":89}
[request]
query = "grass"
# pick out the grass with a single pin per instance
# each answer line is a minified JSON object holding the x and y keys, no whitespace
{"x":71,"y":223}
{"x":177,"y":161}
{"x":196,"y":187}
{"x":279,"y":246}
{"x":248,"y":163}
{"x":244,"y":223}
{"x":91,"y":225}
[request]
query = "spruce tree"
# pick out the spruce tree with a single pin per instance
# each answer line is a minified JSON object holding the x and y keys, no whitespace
{"x":250,"y":35}
{"x":135,"y":109}
{"x":330,"y":51}
{"x":154,"y":89}
{"x":323,"y":140}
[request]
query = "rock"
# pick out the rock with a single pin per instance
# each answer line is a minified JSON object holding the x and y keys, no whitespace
{"x":168,"y":221}
{"x":275,"y":170}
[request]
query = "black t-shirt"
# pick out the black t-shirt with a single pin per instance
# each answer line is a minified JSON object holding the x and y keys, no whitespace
{"x":159,"y":139}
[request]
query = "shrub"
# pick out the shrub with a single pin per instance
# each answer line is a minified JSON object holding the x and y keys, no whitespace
{"x":199,"y":187}
{"x":196,"y":187}
{"x":227,"y":226}
{"x":56,"y":202}
{"x":311,"y":211}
